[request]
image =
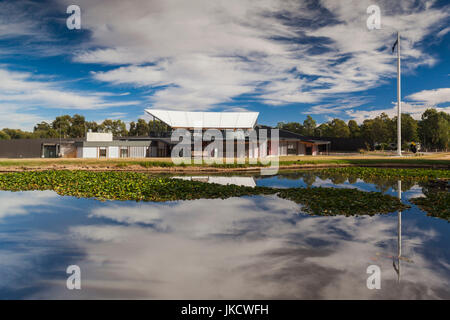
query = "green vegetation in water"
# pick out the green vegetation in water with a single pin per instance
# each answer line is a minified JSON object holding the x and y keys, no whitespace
{"x":333,"y":201}
{"x":141,"y":187}
{"x":437,"y":198}
{"x":120,"y":186}
{"x":387,"y":173}
{"x":436,"y":204}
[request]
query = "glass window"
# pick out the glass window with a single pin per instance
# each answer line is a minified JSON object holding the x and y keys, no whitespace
{"x":102,"y":152}
{"x":292,"y":148}
{"x":124,"y":152}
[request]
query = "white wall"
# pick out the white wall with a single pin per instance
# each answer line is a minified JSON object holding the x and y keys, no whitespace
{"x":89,"y":152}
{"x":113,"y":152}
{"x":99,"y":136}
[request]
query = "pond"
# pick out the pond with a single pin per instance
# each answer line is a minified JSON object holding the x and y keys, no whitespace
{"x":252,"y":247}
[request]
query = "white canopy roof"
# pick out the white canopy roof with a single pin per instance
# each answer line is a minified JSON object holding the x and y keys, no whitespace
{"x":207,"y":120}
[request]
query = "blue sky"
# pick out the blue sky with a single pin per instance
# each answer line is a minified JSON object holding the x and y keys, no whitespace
{"x":285,"y":59}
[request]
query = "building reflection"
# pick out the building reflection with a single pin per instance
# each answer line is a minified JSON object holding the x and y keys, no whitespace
{"x":236,"y":180}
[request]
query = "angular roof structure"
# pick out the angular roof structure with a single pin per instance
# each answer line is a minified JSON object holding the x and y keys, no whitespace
{"x":206,"y":120}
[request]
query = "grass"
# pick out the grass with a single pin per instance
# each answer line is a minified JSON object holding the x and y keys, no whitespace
{"x":442,"y":159}
{"x":141,"y":187}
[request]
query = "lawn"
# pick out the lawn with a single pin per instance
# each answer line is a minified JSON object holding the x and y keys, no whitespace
{"x":440,"y":159}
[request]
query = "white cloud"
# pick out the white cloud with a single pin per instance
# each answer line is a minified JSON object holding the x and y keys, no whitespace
{"x":20,"y":92}
{"x":415,"y":110}
{"x":204,"y":53}
{"x":431,"y":97}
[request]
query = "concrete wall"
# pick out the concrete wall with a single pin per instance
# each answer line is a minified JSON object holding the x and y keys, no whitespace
{"x":113,"y":152}
{"x":68,"y":150}
{"x":89,"y":152}
{"x":99,"y":136}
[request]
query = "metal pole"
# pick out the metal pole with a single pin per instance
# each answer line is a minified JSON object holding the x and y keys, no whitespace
{"x":399,"y":230}
{"x":399,"y":103}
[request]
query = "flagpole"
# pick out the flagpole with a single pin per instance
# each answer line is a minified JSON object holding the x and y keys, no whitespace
{"x":399,"y":103}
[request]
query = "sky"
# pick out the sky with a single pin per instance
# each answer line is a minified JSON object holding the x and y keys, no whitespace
{"x":285,"y":59}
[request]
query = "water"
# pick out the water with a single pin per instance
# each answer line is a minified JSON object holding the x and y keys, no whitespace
{"x":240,"y":248}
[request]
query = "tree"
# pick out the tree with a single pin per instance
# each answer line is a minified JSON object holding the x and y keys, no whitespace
{"x":157,"y":126}
{"x":92,"y":126}
{"x":116,"y":127}
{"x":380,"y":129}
{"x":132,"y":130}
{"x":142,"y":128}
{"x":338,"y":128}
{"x":17,"y":133}
{"x":44,"y":130}
{"x":355,"y":131}
{"x":291,"y":126}
{"x":434,"y":129}
{"x":77,"y":126}
{"x":322,"y":131}
{"x":308,"y":126}
{"x":4,"y":136}
{"x":409,"y":128}
{"x":62,"y":125}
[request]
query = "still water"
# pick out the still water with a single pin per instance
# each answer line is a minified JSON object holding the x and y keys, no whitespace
{"x":258,"y":247}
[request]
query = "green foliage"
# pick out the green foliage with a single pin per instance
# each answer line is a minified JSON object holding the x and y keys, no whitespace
{"x":17,"y":134}
{"x":120,"y":186}
{"x":380,"y":129}
{"x":140,"y":128}
{"x":389,"y":173}
{"x":116,"y":127}
{"x":436,"y":204}
{"x":339,"y":129}
{"x":294,"y":127}
{"x":4,"y":135}
{"x":308,"y":126}
{"x":434,"y":129}
{"x":355,"y":131}
{"x":334,"y":201}
{"x":141,"y":187}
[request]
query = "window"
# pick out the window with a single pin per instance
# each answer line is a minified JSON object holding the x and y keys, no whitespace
{"x":102,"y":152}
{"x":124,"y":152}
{"x":292,"y":148}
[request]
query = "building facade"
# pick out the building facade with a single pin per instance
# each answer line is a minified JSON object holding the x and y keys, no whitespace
{"x":241,"y":126}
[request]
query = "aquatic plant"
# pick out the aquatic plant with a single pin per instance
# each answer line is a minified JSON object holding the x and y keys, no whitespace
{"x":435,"y":204}
{"x":344,"y":201}
{"x":141,"y":187}
{"x":387,"y":173}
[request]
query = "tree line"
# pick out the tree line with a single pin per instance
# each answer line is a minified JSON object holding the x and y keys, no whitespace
{"x":432,"y":130}
{"x":76,"y":126}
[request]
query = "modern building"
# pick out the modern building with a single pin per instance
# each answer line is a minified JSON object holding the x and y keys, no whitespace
{"x":242,"y":126}
{"x":244,"y":123}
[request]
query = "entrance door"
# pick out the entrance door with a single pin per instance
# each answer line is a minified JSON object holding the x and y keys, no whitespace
{"x":50,"y":151}
{"x":308,"y":151}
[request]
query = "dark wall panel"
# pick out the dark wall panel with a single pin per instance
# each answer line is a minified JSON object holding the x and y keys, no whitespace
{"x":31,"y":148}
{"x":20,"y":148}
